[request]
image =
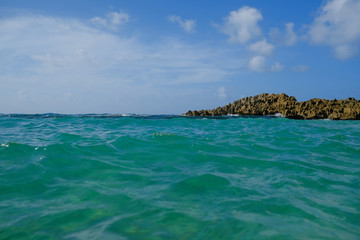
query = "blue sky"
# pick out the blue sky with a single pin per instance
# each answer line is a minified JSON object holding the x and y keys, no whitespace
{"x":166,"y":57}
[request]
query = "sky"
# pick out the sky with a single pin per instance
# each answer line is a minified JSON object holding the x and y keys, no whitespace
{"x":167,"y":56}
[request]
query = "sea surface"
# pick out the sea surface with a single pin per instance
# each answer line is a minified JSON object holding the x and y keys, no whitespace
{"x":172,"y":177}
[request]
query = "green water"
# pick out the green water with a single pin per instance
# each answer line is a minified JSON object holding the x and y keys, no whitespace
{"x":163,"y":177}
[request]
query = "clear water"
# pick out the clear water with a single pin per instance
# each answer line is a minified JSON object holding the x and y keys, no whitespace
{"x":168,"y":177}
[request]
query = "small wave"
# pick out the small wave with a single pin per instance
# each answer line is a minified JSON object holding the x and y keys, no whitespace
{"x":201,"y":183}
{"x":89,"y":115}
{"x":162,"y":134}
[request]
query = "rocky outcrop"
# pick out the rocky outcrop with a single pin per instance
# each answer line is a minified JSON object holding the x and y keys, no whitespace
{"x":289,"y":107}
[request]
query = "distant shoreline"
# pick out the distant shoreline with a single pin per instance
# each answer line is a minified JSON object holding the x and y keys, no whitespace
{"x":271,"y":104}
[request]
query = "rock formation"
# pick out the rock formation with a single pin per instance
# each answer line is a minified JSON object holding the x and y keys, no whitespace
{"x":289,"y":107}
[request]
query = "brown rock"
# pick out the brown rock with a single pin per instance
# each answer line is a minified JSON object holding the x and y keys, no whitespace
{"x":270,"y":104}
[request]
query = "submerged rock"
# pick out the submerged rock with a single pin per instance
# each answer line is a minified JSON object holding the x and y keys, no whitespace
{"x":289,"y":107}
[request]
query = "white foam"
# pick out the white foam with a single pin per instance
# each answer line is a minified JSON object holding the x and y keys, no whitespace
{"x":279,"y":115}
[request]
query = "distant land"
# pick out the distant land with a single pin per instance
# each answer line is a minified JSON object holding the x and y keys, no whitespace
{"x":289,"y":107}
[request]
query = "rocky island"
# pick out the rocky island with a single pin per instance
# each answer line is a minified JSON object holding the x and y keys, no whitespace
{"x":289,"y":107}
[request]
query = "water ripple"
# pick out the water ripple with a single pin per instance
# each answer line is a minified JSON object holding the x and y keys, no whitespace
{"x":170,"y":177}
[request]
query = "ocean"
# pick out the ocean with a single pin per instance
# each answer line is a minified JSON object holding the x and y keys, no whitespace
{"x":172,"y":177}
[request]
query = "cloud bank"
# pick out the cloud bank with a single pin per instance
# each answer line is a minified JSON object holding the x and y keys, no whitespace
{"x":337,"y":25}
{"x":56,"y":64}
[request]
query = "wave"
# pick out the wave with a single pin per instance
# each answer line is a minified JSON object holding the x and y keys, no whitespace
{"x":131,"y":115}
{"x":178,"y":177}
{"x":88,"y":115}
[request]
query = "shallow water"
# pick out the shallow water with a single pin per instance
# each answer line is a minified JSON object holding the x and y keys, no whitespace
{"x":170,"y":177}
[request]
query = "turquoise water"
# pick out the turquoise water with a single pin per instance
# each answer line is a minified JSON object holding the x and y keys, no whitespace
{"x":168,"y":177}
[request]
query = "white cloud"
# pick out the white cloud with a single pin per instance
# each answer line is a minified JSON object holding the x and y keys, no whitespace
{"x":287,"y":38}
{"x":290,"y":36}
{"x":345,"y":51}
{"x":338,"y":25}
{"x":257,"y":64}
{"x":112,"y":20}
{"x":99,"y":21}
{"x":242,"y":25}
{"x":116,"y":18}
{"x":45,"y":58}
{"x":300,"y":68}
{"x":187,"y":25}
{"x":222,"y":93}
{"x":277,"y":67}
{"x":262,"y":47}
